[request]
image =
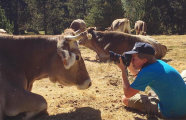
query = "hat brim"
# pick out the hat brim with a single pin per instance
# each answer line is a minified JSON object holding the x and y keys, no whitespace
{"x":131,"y":52}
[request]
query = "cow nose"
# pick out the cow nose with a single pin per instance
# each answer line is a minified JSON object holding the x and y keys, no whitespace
{"x":90,"y":84}
{"x":85,"y":85}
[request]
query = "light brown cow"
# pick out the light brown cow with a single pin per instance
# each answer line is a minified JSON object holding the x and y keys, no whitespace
{"x":121,"y":25}
{"x":24,"y":59}
{"x":78,"y":25}
{"x":2,"y":31}
{"x":104,"y":41}
{"x":140,"y":27}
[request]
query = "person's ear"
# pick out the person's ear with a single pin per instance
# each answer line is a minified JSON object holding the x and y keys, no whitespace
{"x":145,"y":60}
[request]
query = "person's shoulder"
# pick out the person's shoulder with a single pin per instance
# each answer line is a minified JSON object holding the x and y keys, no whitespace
{"x":152,"y":67}
{"x":163,"y":63}
{"x":166,"y":66}
{"x":159,"y":63}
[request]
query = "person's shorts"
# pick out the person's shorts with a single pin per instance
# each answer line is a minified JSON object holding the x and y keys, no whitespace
{"x":145,"y":104}
{"x":183,"y":75}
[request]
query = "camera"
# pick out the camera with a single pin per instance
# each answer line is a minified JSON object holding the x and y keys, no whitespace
{"x":126,"y":58}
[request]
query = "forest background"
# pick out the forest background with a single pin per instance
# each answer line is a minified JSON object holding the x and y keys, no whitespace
{"x":53,"y":16}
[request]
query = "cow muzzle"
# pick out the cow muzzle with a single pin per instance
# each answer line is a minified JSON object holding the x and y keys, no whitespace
{"x":85,"y":85}
{"x":83,"y":41}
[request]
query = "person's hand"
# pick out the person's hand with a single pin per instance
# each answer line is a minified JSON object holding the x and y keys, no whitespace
{"x":121,"y":64}
{"x":125,"y":100}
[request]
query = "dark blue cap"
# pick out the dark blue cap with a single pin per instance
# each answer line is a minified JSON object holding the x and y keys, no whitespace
{"x":142,"y":47}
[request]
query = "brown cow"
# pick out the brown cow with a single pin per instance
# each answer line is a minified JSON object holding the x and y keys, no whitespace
{"x":78,"y":25}
{"x":104,"y":41}
{"x":140,"y":27}
{"x":121,"y":25}
{"x":24,"y":59}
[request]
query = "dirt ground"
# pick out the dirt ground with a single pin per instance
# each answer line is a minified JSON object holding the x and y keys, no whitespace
{"x":102,"y":101}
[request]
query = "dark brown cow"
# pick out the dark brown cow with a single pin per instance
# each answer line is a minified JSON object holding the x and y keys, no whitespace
{"x":24,"y":59}
{"x":103,"y":41}
{"x":140,"y":27}
{"x":78,"y":25}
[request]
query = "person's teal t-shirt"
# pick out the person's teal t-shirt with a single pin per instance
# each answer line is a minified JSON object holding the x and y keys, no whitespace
{"x":167,"y":84}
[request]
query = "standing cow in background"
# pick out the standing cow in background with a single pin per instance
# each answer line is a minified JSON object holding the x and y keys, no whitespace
{"x":2,"y":31}
{"x":140,"y":27}
{"x":121,"y":25}
{"x":24,"y":59}
{"x":78,"y":25}
{"x":104,"y":41}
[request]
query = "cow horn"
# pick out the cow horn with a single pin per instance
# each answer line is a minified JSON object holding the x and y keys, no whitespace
{"x":77,"y":32}
{"x":76,"y":37}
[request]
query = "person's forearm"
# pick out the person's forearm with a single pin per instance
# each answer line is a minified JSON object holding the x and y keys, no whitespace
{"x":126,"y":83}
{"x":127,"y":89}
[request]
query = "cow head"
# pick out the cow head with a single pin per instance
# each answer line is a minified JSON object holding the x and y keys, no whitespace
{"x":87,"y":41}
{"x":94,"y":41}
{"x":70,"y":67}
{"x":78,"y":25}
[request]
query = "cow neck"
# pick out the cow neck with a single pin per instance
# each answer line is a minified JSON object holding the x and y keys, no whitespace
{"x":37,"y":56}
{"x":99,"y":45}
{"x":47,"y":52}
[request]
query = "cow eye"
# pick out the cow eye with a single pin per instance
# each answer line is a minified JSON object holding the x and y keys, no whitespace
{"x":78,"y":57}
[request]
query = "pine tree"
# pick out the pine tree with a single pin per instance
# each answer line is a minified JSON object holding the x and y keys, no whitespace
{"x":52,"y":16}
{"x":161,"y":16}
{"x":4,"y":22}
{"x":103,"y":12}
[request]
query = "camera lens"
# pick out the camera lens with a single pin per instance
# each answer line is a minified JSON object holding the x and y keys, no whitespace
{"x":115,"y":58}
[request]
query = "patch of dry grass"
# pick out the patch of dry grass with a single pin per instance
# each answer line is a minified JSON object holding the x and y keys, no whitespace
{"x":176,"y":45}
{"x":102,"y":101}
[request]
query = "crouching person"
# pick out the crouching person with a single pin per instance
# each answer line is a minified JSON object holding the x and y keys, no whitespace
{"x":163,"y":79}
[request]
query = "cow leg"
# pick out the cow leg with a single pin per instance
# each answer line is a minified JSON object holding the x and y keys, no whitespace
{"x":97,"y":57}
{"x":1,"y":113}
{"x":137,"y":32}
{"x":35,"y":111}
{"x":21,"y":101}
{"x":35,"y":104}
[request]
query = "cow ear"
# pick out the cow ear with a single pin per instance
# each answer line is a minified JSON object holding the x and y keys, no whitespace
{"x":61,"y":54}
{"x":90,"y":29}
{"x":119,"y":23}
{"x":68,"y":59}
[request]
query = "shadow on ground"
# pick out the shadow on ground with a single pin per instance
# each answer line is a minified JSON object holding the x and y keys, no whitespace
{"x":149,"y":117}
{"x":85,"y":113}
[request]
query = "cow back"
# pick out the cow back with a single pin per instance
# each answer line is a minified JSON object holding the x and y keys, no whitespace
{"x":22,"y":48}
{"x":104,"y":41}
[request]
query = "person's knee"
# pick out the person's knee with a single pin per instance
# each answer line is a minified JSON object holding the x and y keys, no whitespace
{"x":183,"y":75}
